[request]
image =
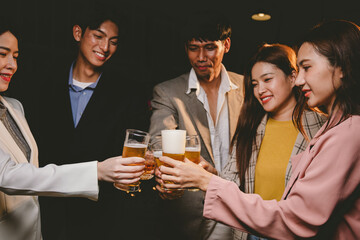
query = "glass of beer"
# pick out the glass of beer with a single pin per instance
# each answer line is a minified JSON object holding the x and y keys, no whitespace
{"x":156,"y":148}
{"x":135,"y":145}
{"x":149,"y":163}
{"x":192,"y":152}
{"x":173,"y":145}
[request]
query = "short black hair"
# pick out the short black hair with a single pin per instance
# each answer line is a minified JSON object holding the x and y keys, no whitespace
{"x":92,"y":17}
{"x":206,"y":26}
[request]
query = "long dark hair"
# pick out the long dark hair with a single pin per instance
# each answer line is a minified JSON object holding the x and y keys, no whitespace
{"x":339,"y":42}
{"x":251,"y":114}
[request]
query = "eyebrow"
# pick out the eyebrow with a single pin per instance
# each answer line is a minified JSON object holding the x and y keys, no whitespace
{"x":7,"y":49}
{"x":263,"y":75}
{"x":302,"y":62}
{"x":102,"y":32}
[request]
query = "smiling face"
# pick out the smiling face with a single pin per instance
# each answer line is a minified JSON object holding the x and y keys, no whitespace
{"x":98,"y":45}
{"x":273,"y":89}
{"x":206,"y":57}
{"x":319,"y":80}
{"x":8,"y":59}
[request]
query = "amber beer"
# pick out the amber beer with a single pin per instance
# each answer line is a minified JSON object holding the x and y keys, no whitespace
{"x":135,"y":145}
{"x":193,"y":154}
{"x":134,"y":150}
{"x":157,"y":155}
{"x":149,"y":166}
{"x":173,"y":145}
{"x":179,"y":157}
{"x":176,"y":156}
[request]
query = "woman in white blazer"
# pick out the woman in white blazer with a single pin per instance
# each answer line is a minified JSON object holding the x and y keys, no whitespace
{"x":21,"y":181}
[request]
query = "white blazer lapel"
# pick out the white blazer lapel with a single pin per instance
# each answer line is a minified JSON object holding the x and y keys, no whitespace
{"x":25,"y":130}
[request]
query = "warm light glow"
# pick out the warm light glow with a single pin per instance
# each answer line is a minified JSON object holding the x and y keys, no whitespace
{"x":261,"y":16}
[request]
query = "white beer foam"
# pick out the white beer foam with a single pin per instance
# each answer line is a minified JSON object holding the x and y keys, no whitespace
{"x":157,"y":154}
{"x":135,"y":145}
{"x":192,"y":149}
{"x":173,"y":141}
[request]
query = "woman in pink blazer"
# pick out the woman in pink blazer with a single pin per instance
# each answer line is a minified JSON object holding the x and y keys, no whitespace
{"x":321,"y":200}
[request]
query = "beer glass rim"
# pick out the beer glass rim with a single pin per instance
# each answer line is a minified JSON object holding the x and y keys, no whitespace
{"x":167,"y":130}
{"x":138,"y":132}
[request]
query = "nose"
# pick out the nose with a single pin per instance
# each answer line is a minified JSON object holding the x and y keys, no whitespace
{"x":299,"y":80}
{"x":202,"y":55}
{"x":261,"y":88}
{"x":104,"y":45}
{"x":11,"y":63}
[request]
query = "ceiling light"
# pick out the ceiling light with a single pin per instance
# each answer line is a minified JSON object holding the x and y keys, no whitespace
{"x":261,"y":16}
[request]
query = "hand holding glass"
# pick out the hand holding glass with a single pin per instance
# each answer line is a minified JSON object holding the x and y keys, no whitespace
{"x":173,"y":145}
{"x":135,"y":145}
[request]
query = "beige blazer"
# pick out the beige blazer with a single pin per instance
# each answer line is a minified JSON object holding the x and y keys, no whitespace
{"x":173,"y":108}
{"x":20,"y":215}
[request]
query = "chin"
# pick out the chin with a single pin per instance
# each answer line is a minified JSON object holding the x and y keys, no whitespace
{"x":311,"y":104}
{"x":3,"y":88}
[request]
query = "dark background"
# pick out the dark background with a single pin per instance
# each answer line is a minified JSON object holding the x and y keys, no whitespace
{"x":151,"y":49}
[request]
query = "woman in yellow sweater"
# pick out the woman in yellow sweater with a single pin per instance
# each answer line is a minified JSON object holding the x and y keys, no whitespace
{"x":266,"y":135}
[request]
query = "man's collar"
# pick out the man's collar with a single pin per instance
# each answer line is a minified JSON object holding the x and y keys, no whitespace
{"x":225,"y":84}
{"x":70,"y":81}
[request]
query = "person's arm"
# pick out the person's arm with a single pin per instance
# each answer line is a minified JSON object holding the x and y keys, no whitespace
{"x":75,"y":180}
{"x":330,"y":174}
{"x":164,"y":115}
{"x":326,"y":176}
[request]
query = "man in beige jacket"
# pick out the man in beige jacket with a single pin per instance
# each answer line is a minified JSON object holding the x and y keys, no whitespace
{"x":205,"y":102}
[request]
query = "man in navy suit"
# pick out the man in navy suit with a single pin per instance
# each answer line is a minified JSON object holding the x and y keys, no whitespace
{"x":87,"y":108}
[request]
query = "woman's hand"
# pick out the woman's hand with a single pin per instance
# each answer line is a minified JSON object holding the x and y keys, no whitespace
{"x":184,"y":174}
{"x":121,"y":170}
{"x":207,"y":166}
{"x":166,"y":195}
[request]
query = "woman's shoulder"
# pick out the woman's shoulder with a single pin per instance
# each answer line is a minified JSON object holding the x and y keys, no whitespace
{"x":347,"y":131}
{"x":14,"y":103}
{"x":350,"y":126}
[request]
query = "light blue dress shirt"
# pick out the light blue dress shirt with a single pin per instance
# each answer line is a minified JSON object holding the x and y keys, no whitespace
{"x":79,"y":97}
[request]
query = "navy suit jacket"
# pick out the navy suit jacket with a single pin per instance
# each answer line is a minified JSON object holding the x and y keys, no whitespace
{"x":100,"y":133}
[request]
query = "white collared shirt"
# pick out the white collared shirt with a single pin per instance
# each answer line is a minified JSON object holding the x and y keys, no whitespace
{"x":219,"y":133}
